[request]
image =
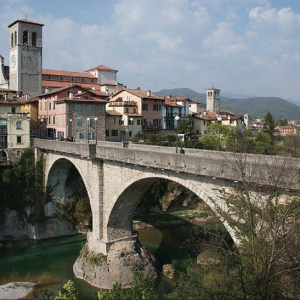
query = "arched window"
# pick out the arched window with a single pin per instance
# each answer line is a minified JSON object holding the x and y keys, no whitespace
{"x":12,"y":40}
{"x":34,"y":39}
{"x":15,"y":38}
{"x":25,"y":37}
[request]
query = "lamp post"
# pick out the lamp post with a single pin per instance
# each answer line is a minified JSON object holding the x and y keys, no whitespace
{"x":96,"y":119}
{"x":177,"y":118}
{"x":131,"y":123}
{"x":41,"y":130}
{"x":68,"y":128}
{"x":219,"y":121}
{"x":88,"y":124}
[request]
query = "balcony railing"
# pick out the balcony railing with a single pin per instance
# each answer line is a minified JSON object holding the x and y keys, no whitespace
{"x":122,"y":103}
{"x":9,"y":114}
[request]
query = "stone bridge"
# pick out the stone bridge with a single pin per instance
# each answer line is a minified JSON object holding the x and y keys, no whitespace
{"x":116,"y":175}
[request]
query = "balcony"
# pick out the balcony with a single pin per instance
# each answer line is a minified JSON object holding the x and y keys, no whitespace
{"x":152,"y":127}
{"x":123,"y":104}
{"x":9,"y":115}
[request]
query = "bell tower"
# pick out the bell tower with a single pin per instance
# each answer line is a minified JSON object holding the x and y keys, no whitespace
{"x":25,"y":57}
{"x":213,"y":100}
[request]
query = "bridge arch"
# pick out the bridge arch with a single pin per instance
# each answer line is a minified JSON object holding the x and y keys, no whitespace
{"x":66,"y":177}
{"x":126,"y":198}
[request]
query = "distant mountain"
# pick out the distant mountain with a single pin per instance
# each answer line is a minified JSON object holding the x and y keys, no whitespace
{"x":257,"y":107}
{"x":235,"y":96}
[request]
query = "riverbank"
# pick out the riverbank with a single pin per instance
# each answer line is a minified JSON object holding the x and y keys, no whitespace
{"x":173,"y":218}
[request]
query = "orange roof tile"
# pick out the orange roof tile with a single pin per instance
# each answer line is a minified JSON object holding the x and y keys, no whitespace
{"x":57,"y":84}
{"x":113,"y":113}
{"x":101,"y":67}
{"x":134,"y":115}
{"x":25,"y":21}
{"x":213,"y":88}
{"x":67,"y":73}
{"x":172,"y":103}
{"x":143,"y":94}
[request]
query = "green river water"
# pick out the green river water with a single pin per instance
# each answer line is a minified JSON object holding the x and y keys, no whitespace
{"x":50,"y":261}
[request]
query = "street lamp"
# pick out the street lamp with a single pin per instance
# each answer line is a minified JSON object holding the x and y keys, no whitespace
{"x":68,"y":128}
{"x":219,"y":121}
{"x":88,"y":124}
{"x":177,"y":118}
{"x":41,"y":129}
{"x":96,"y":119}
{"x":131,"y":123}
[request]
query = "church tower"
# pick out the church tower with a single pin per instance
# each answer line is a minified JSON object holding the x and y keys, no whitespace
{"x":213,"y":100}
{"x":25,"y":57}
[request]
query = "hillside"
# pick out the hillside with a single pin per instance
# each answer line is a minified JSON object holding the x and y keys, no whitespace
{"x":257,"y":107}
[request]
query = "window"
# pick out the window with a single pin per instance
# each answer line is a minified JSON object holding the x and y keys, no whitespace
{"x":130,"y":133}
{"x":53,"y":120}
{"x":15,"y":38}
{"x":45,"y":105}
{"x":53,"y":106}
{"x":19,"y":139}
{"x":145,"y":106}
{"x":18,"y":153}
{"x":13,"y":110}
{"x":114,"y":121}
{"x":114,"y":133}
{"x":25,"y":37}
{"x":49,"y":120}
{"x":41,"y":106}
{"x":159,"y":107}
{"x":120,"y":122}
{"x":89,"y":122}
{"x":126,"y":110}
{"x":12,"y":40}
{"x":49,"y":105}
{"x":89,"y":109}
{"x":34,"y":39}
{"x":131,"y":122}
{"x":78,"y":122}
{"x":79,"y":135}
{"x":19,"y":124}
{"x":155,"y":107}
{"x":106,"y":132}
{"x":138,"y":122}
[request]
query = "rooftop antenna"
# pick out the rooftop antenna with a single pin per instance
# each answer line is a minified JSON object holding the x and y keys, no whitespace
{"x":154,"y":86}
{"x":25,"y":16}
{"x":138,"y":75}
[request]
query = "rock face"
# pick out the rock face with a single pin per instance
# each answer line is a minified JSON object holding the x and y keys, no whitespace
{"x":168,"y":271}
{"x":16,"y":290}
{"x":123,"y":258}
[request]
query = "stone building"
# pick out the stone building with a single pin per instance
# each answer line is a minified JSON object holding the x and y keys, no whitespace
{"x":25,"y":56}
{"x":65,"y":112}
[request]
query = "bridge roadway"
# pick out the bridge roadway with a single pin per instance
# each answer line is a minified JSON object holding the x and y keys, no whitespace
{"x":236,"y":167}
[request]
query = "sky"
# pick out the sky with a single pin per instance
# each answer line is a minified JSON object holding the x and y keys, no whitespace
{"x":247,"y":47}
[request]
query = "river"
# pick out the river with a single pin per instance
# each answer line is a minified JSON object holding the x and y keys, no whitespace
{"x":50,"y":261}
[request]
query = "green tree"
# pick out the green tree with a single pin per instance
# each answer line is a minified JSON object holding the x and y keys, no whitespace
{"x":183,"y":126}
{"x":269,"y":128}
{"x":143,"y":288}
{"x":68,"y":292}
{"x":265,"y":221}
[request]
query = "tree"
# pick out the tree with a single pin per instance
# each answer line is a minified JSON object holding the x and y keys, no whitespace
{"x":269,"y":128}
{"x":143,"y":288}
{"x":68,"y":292}
{"x":183,"y":126}
{"x":265,"y":221}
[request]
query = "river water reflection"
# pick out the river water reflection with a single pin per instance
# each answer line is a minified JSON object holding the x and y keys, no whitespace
{"x":50,"y":261}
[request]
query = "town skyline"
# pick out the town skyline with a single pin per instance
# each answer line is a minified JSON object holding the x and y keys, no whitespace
{"x":246,"y":47}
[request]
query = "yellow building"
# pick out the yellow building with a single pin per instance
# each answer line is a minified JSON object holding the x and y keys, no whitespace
{"x":30,"y":107}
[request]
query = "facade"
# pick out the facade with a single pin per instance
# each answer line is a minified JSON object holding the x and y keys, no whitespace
{"x":123,"y":120}
{"x":25,"y":55}
{"x":286,"y":130}
{"x":149,"y":105}
{"x":30,"y":107}
{"x":213,"y":100}
{"x":56,"y":114}
{"x":14,"y":130}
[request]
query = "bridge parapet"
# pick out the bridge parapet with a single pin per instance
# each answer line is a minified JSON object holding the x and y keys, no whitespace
{"x":258,"y":169}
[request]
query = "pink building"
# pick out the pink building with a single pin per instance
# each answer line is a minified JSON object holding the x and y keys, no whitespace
{"x":55,"y":111}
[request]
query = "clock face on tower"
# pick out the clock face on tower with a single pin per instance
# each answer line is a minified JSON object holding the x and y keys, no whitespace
{"x":13,"y":61}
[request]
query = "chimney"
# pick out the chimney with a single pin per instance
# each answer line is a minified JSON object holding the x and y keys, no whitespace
{"x":71,"y":94}
{"x":26,"y":97}
{"x":46,"y":90}
{"x":5,"y":97}
{"x":106,"y":92}
{"x":125,"y":87}
{"x":149,"y":93}
{"x":138,"y":88}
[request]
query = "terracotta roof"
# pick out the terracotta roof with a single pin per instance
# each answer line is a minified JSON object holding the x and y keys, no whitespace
{"x":194,"y":101}
{"x":227,"y":111}
{"x":11,"y":101}
{"x":134,"y":115}
{"x":210,"y":116}
{"x":25,"y":21}
{"x":67,"y":73}
{"x":143,"y":94}
{"x":113,"y":113}
{"x":58,"y":84}
{"x":101,"y":67}
{"x":213,"y":88}
{"x":172,"y":103}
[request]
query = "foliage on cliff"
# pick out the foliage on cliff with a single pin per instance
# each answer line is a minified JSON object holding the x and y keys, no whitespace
{"x":23,"y":185}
